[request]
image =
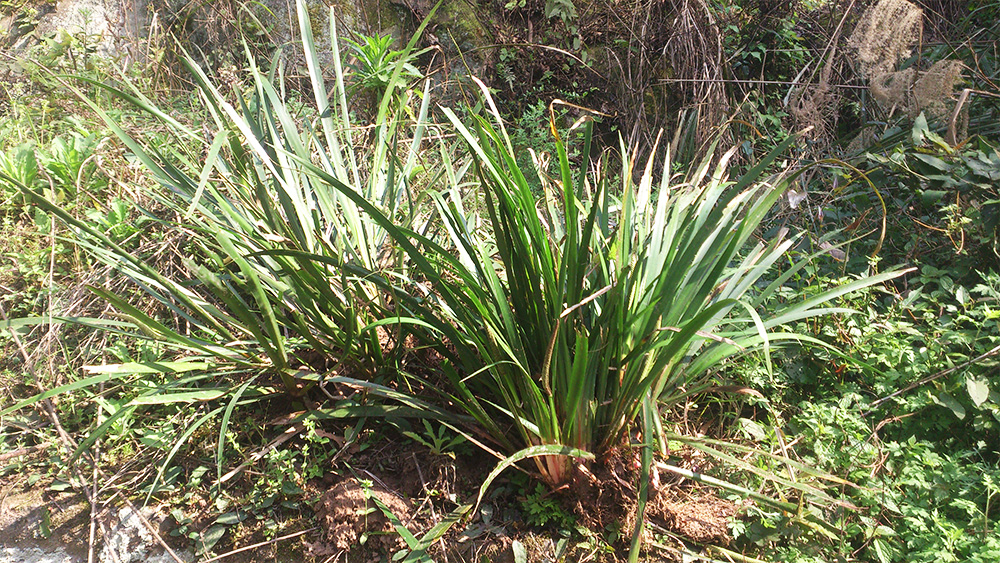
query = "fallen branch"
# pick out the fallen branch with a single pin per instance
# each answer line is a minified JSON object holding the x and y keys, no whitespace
{"x":261,"y":544}
{"x":22,"y":452}
{"x":930,"y":378}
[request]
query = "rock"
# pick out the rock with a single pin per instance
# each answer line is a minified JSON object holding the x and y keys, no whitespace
{"x":35,"y":555}
{"x":131,"y":542}
{"x":95,"y":20}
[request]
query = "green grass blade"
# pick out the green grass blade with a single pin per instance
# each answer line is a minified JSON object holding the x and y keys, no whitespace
{"x":528,"y":453}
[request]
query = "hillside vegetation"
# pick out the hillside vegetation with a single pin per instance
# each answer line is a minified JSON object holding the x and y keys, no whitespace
{"x":637,"y":281}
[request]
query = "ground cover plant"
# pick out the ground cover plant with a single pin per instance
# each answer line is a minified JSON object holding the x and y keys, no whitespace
{"x":585,"y":319}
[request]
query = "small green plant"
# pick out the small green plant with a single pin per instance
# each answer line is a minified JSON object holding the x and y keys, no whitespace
{"x":69,"y":161}
{"x":565,"y":10}
{"x":116,"y":221}
{"x":62,"y":166}
{"x":440,"y":442}
{"x":375,"y":62}
{"x":542,"y":508}
{"x":20,"y":165}
{"x":61,"y":52}
{"x":504,"y":70}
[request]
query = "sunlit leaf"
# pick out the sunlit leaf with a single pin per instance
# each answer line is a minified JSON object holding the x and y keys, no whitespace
{"x":979,"y":389}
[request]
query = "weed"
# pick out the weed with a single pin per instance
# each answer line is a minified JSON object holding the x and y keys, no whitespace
{"x":117,"y":220}
{"x":440,"y":442}
{"x":375,"y":62}
{"x":542,"y":508}
{"x":69,"y":162}
{"x":20,"y":163}
{"x":535,"y":285}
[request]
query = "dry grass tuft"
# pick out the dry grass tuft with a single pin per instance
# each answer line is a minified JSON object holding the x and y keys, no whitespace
{"x":885,"y":35}
{"x":931,"y":92}
{"x":894,"y":90}
{"x":816,"y":106}
{"x":694,"y":49}
{"x":934,"y":90}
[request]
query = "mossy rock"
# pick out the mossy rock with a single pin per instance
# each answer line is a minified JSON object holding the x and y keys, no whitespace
{"x":457,"y":23}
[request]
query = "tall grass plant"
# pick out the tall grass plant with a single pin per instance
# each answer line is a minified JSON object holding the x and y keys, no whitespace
{"x":567,"y":314}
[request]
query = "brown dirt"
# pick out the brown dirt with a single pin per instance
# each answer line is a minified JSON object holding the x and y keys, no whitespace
{"x":604,"y":496}
{"x":347,"y":515}
{"x":418,"y":488}
{"x":702,"y":519}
